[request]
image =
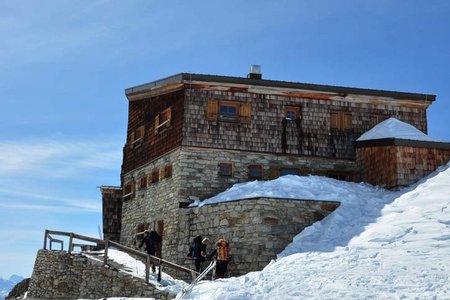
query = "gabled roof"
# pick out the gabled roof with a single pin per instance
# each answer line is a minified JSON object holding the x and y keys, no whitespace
{"x":189,"y":77}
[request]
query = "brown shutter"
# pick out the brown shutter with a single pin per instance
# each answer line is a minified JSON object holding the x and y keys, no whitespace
{"x":335,"y":120}
{"x":245,"y":113}
{"x":213,"y":110}
{"x":274,"y":173}
{"x":347,"y":121}
{"x":132,"y":137}
{"x":156,"y":123}
{"x":169,"y":115}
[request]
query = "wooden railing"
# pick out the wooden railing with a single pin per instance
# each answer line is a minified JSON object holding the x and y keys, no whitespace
{"x":149,"y":259}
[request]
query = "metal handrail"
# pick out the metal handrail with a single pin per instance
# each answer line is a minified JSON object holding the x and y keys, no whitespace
{"x":189,"y":288}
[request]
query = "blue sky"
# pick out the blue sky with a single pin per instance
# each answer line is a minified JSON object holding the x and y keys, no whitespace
{"x":64,"y":66}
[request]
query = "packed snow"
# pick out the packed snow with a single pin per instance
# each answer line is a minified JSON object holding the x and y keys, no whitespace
{"x":136,"y":268}
{"x":393,"y":128}
{"x":378,"y":244}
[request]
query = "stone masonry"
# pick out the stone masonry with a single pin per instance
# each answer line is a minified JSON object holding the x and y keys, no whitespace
{"x":257,"y":229}
{"x":160,"y":201}
{"x":59,"y":275}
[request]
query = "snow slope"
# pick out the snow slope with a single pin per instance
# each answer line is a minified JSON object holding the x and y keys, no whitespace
{"x":377,"y":245}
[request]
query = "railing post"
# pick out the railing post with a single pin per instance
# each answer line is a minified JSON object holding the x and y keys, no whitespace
{"x":159,"y":271}
{"x":70,"y":243}
{"x":105,"y":259}
{"x":45,"y":239}
{"x":147,"y":268}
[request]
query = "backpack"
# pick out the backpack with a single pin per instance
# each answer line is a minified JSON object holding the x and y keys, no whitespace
{"x":191,"y":252}
{"x":194,"y":249}
{"x":223,"y":250}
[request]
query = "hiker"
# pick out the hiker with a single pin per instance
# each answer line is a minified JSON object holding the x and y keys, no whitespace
{"x":198,"y":252}
{"x":152,"y":242}
{"x":222,"y":257}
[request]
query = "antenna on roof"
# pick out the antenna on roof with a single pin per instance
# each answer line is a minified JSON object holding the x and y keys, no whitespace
{"x":255,"y":72}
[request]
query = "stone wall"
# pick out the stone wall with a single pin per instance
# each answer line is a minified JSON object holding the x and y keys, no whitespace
{"x":156,"y":202}
{"x":200,"y":168}
{"x":195,"y":176}
{"x":257,"y":229}
{"x":59,"y":275}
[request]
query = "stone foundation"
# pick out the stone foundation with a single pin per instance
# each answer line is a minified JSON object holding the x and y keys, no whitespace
{"x":195,"y":175}
{"x":59,"y":275}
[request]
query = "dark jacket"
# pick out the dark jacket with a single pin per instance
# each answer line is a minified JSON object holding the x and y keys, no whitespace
{"x":152,"y":242}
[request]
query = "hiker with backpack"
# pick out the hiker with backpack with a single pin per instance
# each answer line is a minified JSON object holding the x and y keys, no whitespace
{"x":197,"y":252}
{"x":152,"y":242}
{"x":222,"y":256}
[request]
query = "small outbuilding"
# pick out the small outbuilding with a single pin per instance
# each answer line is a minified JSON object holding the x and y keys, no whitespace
{"x":394,"y":154}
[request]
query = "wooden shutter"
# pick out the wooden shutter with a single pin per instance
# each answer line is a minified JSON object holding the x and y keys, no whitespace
{"x":346,"y":121}
{"x":245,"y":113}
{"x":335,"y":120}
{"x":274,"y":173}
{"x":213,"y":110}
{"x":168,"y":171}
{"x":156,"y":123}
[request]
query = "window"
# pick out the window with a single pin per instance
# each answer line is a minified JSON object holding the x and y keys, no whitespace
{"x":142,"y":183}
{"x":168,"y":171}
{"x":137,"y":134}
{"x":162,"y":121}
{"x":229,"y":111}
{"x":292,"y":112}
{"x":255,"y":171}
{"x":289,"y":171}
{"x":128,"y":189}
{"x":155,"y":176}
{"x":341,"y":121}
{"x":226,"y":169}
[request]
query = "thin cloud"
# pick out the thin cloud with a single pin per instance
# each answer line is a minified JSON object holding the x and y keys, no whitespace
{"x":48,"y":202}
{"x":57,"y":158}
{"x":52,"y":208}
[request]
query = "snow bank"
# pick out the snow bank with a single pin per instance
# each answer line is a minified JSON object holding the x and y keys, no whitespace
{"x":377,"y":245}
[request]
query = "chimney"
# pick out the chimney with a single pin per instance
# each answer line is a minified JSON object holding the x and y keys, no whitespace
{"x":255,"y":72}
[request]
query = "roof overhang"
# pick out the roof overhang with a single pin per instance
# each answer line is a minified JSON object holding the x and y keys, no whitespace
{"x":401,"y":142}
{"x":292,"y":89}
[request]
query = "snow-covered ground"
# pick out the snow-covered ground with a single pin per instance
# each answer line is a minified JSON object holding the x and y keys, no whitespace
{"x":378,"y":244}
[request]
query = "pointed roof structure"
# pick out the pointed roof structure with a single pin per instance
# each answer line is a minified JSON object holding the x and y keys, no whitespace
{"x":393,"y":128}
